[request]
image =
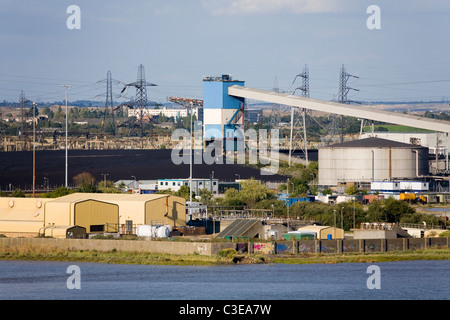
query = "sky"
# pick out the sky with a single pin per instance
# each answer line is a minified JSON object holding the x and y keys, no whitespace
{"x":265,"y":43}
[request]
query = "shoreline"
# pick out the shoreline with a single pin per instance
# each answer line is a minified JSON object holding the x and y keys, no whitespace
{"x":225,"y":257}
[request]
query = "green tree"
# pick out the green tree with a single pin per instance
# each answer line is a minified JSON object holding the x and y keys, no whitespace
{"x":88,"y":188}
{"x":183,"y":192}
{"x":389,"y":210}
{"x":58,"y":192}
{"x":206,"y":197}
{"x":18,"y":193}
{"x":232,"y":198}
{"x":352,"y":189}
{"x":254,"y":191}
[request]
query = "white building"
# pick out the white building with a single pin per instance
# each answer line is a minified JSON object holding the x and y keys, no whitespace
{"x":176,"y":113}
{"x":197,"y":184}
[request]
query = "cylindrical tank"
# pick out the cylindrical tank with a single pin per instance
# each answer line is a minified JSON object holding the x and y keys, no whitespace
{"x":145,"y":231}
{"x":407,"y":196}
{"x":162,"y":232}
{"x":371,"y":159}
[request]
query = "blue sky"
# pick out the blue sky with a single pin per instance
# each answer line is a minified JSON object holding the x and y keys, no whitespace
{"x":262,"y":42}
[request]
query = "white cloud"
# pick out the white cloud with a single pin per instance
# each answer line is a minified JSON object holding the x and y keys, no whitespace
{"x":245,"y":7}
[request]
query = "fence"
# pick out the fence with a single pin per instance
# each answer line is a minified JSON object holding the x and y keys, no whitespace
{"x":342,"y":246}
{"x":208,"y":248}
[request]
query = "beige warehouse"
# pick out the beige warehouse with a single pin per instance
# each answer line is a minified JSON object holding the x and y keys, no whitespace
{"x":96,"y":212}
{"x":323,"y":232}
{"x":99,"y":212}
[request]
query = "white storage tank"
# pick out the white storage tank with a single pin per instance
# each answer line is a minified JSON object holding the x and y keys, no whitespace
{"x":371,"y":159}
{"x":144,"y":231}
{"x":153,"y":231}
{"x":162,"y":232}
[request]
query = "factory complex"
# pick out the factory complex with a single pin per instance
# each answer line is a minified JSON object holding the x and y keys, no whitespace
{"x":383,"y":167}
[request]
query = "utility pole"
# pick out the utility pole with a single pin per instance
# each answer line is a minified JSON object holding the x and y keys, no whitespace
{"x":67,"y":87}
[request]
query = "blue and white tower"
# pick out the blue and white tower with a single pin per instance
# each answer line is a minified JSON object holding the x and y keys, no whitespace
{"x":222,"y":114}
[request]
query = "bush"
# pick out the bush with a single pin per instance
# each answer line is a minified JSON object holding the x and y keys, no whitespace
{"x":227,"y":253}
{"x":445,"y":234}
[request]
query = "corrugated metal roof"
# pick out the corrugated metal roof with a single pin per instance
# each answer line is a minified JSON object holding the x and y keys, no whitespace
{"x":238,"y":228}
{"x":111,"y":197}
{"x":373,"y":143}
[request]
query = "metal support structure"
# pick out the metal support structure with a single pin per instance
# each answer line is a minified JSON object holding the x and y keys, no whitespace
{"x":305,"y":93}
{"x":343,"y":93}
{"x":141,"y":102}
{"x":357,"y":111}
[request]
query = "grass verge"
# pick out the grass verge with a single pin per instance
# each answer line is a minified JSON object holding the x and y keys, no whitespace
{"x":227,"y":256}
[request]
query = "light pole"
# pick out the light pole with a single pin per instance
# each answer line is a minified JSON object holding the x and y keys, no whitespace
{"x":334,"y":223}
{"x":190,"y":164}
{"x":239,"y":178}
{"x":34,"y":148}
{"x":104,"y":178}
{"x":67,"y":87}
{"x":134,"y":184}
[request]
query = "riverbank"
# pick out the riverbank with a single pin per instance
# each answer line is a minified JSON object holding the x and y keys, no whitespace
{"x":225,"y":257}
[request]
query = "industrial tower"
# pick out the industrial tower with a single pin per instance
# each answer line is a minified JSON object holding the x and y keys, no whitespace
{"x":223,"y":114}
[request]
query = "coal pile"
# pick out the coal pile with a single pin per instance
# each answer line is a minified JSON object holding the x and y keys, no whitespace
{"x":16,"y":168}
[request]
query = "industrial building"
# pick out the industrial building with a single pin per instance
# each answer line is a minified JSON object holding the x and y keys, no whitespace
{"x":371,"y":159}
{"x":323,"y":232}
{"x":94,"y":212}
{"x":211,"y":185}
{"x":223,"y":114}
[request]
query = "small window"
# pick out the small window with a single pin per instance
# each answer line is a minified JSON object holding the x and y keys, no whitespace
{"x":214,"y":183}
{"x":173,"y":183}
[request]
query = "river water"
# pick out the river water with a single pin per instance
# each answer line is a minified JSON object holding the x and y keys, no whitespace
{"x":411,"y":280}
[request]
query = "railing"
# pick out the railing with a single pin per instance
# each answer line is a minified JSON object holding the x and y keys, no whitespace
{"x":120,"y":228}
{"x":421,"y":226}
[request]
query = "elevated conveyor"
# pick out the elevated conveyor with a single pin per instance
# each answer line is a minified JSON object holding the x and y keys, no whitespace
{"x":359,"y":111}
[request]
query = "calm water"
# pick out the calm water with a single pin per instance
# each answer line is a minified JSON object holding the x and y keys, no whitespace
{"x":399,"y":280}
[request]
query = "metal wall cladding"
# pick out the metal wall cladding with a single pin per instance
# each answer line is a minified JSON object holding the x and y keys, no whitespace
{"x":215,"y":95}
{"x":366,"y":164}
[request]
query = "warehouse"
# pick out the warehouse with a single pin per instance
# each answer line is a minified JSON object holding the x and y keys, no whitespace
{"x":21,"y":216}
{"x":371,"y":159}
{"x":121,"y":213}
{"x":80,"y":213}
